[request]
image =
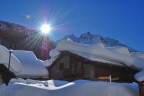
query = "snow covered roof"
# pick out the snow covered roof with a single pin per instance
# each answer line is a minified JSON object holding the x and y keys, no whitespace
{"x":31,"y":66}
{"x":15,"y":65}
{"x":53,"y":54}
{"x":111,"y":55}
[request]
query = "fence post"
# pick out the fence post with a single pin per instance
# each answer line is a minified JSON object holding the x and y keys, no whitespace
{"x":141,"y":93}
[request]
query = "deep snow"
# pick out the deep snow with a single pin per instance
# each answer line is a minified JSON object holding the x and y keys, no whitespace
{"x":15,"y":65}
{"x":31,"y":66}
{"x":20,"y":87}
{"x":139,"y":76}
{"x":23,"y":63}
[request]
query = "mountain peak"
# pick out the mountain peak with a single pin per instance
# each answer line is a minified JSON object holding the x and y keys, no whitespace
{"x":89,"y":33}
{"x":89,"y":38}
{"x":86,"y":35}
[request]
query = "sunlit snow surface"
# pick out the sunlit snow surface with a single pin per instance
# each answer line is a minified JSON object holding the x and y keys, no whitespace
{"x":20,"y":87}
{"x":31,"y":66}
{"x":23,"y":63}
{"x":15,"y":65}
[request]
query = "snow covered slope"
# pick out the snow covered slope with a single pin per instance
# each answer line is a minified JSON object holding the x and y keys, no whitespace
{"x":22,"y":87}
{"x":31,"y":66}
{"x":15,"y":65}
{"x":89,"y":38}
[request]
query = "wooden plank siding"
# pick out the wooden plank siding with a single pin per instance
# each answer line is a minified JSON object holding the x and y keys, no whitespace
{"x":69,"y":66}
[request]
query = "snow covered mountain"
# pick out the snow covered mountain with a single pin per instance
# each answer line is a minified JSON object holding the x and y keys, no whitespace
{"x":89,"y":38}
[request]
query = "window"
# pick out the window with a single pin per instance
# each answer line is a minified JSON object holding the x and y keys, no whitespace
{"x":61,"y":66}
{"x":80,"y":65}
{"x":64,"y":66}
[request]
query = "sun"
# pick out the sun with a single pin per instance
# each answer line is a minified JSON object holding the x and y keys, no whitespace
{"x":45,"y":28}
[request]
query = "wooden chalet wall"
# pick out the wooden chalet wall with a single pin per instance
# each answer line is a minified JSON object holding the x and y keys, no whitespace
{"x":69,"y":66}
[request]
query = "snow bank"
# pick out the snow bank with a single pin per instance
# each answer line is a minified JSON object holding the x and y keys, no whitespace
{"x":15,"y":65}
{"x":29,"y":87}
{"x":53,"y":54}
{"x":139,"y":76}
{"x":32,"y":67}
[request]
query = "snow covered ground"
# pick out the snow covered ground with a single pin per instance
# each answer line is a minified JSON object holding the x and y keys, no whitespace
{"x":20,"y":87}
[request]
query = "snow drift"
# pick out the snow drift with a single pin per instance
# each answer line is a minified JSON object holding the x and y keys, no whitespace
{"x":53,"y":54}
{"x":139,"y":76}
{"x":15,"y":65}
{"x":32,"y":67}
{"x":29,"y":87}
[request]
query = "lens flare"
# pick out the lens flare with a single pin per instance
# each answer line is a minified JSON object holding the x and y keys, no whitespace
{"x":46,"y":28}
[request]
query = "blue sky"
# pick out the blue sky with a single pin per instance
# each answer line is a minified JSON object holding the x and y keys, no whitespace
{"x":119,"y":19}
